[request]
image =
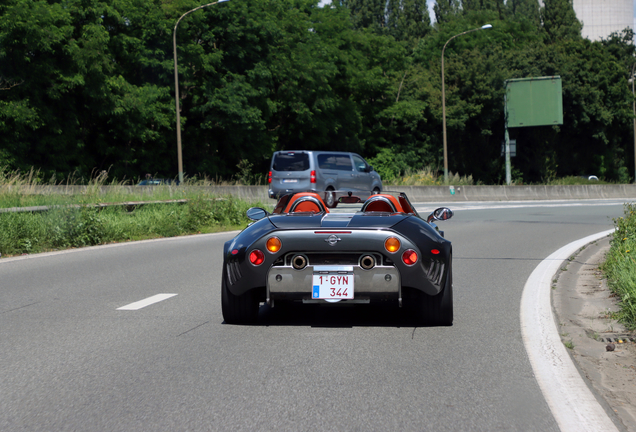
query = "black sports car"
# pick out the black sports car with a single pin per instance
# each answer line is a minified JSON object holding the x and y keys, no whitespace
{"x":378,"y":249}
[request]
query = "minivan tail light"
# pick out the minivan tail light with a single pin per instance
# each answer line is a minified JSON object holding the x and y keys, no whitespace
{"x":269,"y":177}
{"x":312,"y":176}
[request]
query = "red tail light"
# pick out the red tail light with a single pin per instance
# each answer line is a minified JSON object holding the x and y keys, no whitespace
{"x":257,"y":257}
{"x":269,"y":177}
{"x":409,"y":257}
{"x":312,"y":176}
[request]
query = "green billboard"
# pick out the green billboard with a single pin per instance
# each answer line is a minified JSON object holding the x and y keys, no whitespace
{"x":534,"y":102}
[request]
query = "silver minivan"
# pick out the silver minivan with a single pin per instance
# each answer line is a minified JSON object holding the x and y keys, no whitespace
{"x":334,"y":173}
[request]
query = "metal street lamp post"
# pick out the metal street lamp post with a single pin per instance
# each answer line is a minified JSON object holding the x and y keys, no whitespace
{"x":176,"y":85}
{"x":484,"y":27}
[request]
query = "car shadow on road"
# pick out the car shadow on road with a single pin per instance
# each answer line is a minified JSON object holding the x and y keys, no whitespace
{"x":337,"y":316}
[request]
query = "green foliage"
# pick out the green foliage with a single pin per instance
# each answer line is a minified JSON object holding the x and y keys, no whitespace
{"x":88,"y":86}
{"x":76,"y":227}
{"x":559,"y":20}
{"x":620,"y":265}
{"x":525,"y":10}
{"x":446,"y":10}
{"x":574,"y":180}
{"x":389,"y":165}
{"x":623,"y":175}
{"x":71,"y":227}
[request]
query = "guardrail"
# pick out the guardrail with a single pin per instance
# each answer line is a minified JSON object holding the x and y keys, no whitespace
{"x":128,"y":204}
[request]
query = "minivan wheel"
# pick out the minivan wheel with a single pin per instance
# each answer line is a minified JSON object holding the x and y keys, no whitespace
{"x":330,"y":198}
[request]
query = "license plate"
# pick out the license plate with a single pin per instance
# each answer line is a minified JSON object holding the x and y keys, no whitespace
{"x":290,"y":180}
{"x":332,"y":282}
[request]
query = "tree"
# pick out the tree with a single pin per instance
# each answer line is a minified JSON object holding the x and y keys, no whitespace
{"x":367,"y":14}
{"x":559,"y":20}
{"x":75,"y":111}
{"x":485,"y":5}
{"x":528,"y":10}
{"x":408,"y":19}
{"x":445,"y":10}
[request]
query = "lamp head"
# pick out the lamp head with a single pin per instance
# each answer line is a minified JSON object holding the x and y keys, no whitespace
{"x":484,"y":27}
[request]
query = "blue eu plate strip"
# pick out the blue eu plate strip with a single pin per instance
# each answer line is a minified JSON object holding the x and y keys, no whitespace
{"x":316,"y":292}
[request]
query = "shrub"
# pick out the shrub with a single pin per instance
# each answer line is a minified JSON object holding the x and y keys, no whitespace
{"x":620,"y":265}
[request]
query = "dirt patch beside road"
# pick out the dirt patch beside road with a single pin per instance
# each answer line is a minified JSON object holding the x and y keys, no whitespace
{"x":583,"y":307}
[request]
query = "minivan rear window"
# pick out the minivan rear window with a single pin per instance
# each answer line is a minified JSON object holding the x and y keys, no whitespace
{"x":334,"y":162}
{"x":291,"y":162}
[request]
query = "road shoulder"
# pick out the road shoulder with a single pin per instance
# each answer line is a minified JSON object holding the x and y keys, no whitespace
{"x":583,"y":305}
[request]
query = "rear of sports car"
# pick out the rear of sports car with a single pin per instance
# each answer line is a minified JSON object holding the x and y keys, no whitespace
{"x":323,"y":259}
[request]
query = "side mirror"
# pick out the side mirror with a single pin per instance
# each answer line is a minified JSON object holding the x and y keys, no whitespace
{"x":256,"y":213}
{"x":370,"y":169}
{"x":442,"y":214}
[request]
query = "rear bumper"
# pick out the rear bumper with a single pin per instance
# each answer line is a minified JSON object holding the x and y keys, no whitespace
{"x":277,"y":192}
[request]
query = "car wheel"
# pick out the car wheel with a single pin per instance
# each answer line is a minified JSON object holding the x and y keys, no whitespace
{"x":330,"y":198}
{"x":238,"y":309}
{"x":376,"y":190}
{"x":438,"y":310}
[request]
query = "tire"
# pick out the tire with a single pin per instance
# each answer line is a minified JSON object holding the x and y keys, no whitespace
{"x":376,"y":190}
{"x":438,"y":310}
{"x":241,"y":309}
{"x":330,"y":198}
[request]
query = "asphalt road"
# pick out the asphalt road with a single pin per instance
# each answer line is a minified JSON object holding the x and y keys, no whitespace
{"x":70,"y":360}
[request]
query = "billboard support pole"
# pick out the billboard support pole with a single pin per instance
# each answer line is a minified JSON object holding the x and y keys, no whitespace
{"x":508,"y":169}
{"x":507,"y":138}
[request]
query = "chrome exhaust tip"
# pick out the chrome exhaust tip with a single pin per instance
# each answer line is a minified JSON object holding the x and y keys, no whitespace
{"x":367,"y":262}
{"x":299,"y":262}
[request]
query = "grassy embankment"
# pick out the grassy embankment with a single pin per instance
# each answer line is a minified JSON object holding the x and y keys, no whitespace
{"x":81,"y":225}
{"x":430,"y":176}
{"x":66,"y":227}
{"x":620,"y":265}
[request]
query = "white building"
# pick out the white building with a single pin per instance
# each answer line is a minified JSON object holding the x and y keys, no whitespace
{"x":601,"y":18}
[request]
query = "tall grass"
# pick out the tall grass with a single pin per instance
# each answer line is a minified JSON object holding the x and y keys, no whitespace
{"x":27,"y":189}
{"x":575,"y":180}
{"x":69,"y":227}
{"x":429,"y":177}
{"x":620,"y":265}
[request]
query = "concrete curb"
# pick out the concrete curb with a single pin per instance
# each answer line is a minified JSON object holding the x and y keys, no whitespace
{"x":415,"y":193}
{"x":573,"y":405}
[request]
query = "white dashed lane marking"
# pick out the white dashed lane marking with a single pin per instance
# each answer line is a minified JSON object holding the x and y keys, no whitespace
{"x":146,"y":302}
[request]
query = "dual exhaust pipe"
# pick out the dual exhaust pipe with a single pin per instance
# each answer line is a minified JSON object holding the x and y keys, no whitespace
{"x":367,"y":262}
{"x":299,"y":262}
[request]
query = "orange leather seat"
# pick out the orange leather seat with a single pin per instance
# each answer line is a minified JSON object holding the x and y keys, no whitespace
{"x":382,"y":203}
{"x":306,"y":202}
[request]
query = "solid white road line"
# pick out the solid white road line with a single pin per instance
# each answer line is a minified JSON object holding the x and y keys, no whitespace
{"x":146,"y":302}
{"x":115,"y":245}
{"x":572,"y":403}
